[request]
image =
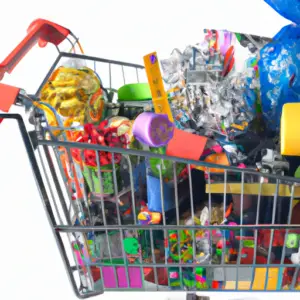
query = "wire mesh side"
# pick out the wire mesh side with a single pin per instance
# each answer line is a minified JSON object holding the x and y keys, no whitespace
{"x":113,"y":74}
{"x":151,"y":222}
{"x":186,"y":229}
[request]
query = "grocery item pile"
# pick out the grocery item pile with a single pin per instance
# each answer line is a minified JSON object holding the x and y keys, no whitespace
{"x":216,"y":114}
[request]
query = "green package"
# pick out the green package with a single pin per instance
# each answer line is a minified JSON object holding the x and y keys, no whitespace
{"x":91,"y":176}
{"x":166,"y":166}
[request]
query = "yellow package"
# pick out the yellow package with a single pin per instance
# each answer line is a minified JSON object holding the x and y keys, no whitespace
{"x":75,"y":94}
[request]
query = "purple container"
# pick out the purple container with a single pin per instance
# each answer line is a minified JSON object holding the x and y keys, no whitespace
{"x":154,"y":130}
{"x":226,"y":42}
{"x":134,"y":276}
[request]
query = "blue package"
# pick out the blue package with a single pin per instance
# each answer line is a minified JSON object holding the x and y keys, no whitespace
{"x":139,"y":175}
{"x":154,"y":195}
{"x":279,"y":69}
{"x":289,"y":9}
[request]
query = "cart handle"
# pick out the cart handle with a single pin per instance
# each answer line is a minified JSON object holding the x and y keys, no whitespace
{"x":39,"y":31}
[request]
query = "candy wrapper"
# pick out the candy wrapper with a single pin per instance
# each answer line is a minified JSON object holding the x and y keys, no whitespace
{"x":226,"y":107}
{"x":215,"y":96}
{"x":114,"y":132}
{"x":215,"y":53}
{"x":174,"y":68}
{"x":75,"y":95}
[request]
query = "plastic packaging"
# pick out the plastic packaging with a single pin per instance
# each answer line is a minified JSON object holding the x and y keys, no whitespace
{"x":174,"y":68}
{"x":154,"y":195}
{"x":289,"y":9}
{"x":218,"y":107}
{"x":74,"y":63}
{"x":106,"y":134}
{"x":165,"y":166}
{"x":215,"y":54}
{"x":75,"y":95}
{"x":114,"y":132}
{"x":215,"y":99}
{"x":278,"y":69}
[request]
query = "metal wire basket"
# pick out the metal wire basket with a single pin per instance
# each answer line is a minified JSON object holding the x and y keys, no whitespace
{"x":247,"y":240}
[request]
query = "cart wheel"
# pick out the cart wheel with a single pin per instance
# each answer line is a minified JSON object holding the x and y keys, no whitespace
{"x":82,"y":288}
{"x":192,"y":296}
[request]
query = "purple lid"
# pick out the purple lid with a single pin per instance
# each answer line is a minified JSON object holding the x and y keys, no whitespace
{"x":154,"y":130}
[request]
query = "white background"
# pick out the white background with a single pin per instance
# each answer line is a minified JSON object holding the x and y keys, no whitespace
{"x":31,"y":267}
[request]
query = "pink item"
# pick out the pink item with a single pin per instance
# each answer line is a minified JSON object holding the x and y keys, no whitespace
{"x":231,"y":235}
{"x":134,"y":276}
{"x":199,"y":278}
{"x":226,"y":42}
{"x":242,"y":166}
{"x":77,"y":254}
{"x":211,"y":150}
{"x":174,"y":275}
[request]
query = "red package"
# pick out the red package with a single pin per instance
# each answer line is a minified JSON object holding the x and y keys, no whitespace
{"x":100,"y":135}
{"x":264,"y":238}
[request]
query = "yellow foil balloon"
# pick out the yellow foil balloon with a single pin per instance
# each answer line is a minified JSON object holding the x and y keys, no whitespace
{"x":75,"y":94}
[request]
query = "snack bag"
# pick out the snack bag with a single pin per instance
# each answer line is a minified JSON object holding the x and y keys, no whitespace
{"x":76,"y":94}
{"x":112,"y":132}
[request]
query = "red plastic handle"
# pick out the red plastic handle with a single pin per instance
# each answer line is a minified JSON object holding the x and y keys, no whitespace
{"x":40,"y":31}
{"x":8,"y":96}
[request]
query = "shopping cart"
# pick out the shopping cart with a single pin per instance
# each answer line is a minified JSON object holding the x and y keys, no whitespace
{"x":101,"y":252}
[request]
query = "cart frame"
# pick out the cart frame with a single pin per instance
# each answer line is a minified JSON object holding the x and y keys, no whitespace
{"x":37,"y":142}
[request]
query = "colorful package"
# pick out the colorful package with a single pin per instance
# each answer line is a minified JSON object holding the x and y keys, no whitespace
{"x":217,"y":94}
{"x":165,"y":166}
{"x":154,"y":195}
{"x":76,"y":95}
{"x":110,"y":133}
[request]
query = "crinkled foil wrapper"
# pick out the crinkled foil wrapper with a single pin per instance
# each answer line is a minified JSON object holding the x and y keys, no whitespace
{"x":206,"y":97}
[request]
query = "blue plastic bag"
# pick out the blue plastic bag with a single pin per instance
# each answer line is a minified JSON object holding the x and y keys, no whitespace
{"x":289,"y":9}
{"x":279,"y":67}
